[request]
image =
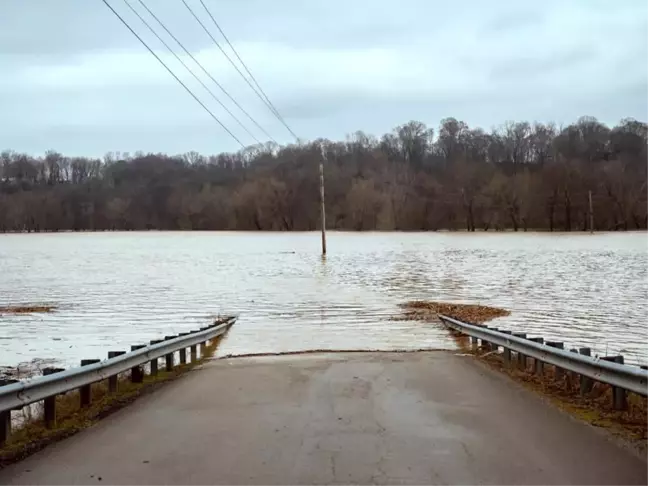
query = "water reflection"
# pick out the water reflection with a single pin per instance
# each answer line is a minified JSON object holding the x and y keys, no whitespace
{"x":118,"y":289}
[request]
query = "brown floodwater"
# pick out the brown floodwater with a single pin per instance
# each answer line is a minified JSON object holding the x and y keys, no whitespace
{"x":112,"y":290}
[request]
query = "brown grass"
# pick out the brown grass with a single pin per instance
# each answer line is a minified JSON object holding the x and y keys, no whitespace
{"x":428,"y":311}
{"x":34,"y":435}
{"x":26,"y":309}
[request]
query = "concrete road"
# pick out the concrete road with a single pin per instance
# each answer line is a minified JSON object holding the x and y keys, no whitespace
{"x":374,"y":418}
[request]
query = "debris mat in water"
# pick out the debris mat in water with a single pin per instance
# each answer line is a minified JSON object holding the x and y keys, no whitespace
{"x":427,"y":310}
{"x":26,"y":309}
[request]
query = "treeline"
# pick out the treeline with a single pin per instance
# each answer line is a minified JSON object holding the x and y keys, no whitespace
{"x":519,"y":176}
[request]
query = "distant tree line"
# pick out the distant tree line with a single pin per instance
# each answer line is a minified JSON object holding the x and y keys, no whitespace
{"x":519,"y":176}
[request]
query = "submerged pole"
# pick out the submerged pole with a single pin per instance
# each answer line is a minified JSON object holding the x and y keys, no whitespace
{"x":591,"y":213}
{"x":323,"y":217}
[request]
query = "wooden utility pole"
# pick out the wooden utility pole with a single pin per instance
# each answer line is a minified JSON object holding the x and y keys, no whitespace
{"x":591,"y":213}
{"x":321,"y":168}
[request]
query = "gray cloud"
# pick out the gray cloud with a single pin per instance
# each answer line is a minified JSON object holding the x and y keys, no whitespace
{"x":74,"y":79}
{"x":551,"y":63}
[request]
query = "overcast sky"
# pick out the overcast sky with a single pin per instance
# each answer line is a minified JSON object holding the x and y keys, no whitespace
{"x":74,"y":79}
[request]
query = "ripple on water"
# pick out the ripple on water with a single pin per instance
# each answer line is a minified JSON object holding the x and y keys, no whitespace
{"x":118,"y":289}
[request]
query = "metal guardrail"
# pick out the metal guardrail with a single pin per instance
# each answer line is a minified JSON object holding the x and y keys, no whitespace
{"x":17,"y":395}
{"x":624,"y":377}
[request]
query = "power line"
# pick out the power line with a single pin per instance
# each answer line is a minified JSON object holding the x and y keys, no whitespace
{"x":190,"y":71}
{"x":172,"y":73}
{"x":247,"y":70}
{"x":205,"y":71}
{"x":269,"y":106}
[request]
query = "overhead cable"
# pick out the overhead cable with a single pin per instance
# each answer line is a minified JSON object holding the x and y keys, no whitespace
{"x":232,"y":99}
{"x":256,"y":91}
{"x":172,"y":73}
{"x":190,"y":71}
{"x":247,"y":70}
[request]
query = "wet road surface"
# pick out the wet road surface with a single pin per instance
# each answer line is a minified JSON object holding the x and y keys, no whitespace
{"x":363,"y":418}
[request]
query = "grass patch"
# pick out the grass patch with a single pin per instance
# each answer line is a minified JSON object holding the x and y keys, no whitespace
{"x":71,"y":418}
{"x":429,"y":310}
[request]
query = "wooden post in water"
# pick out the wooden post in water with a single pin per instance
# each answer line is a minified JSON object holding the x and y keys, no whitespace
{"x":323,"y":208}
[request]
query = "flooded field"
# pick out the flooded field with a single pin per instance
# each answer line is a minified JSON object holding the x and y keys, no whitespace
{"x":112,"y":290}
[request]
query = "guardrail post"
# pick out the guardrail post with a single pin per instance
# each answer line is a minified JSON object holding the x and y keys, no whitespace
{"x":573,"y":375}
{"x":49,"y":404}
{"x":5,"y":426}
{"x":202,"y":349}
{"x":586,"y":383}
{"x":521,"y":359}
{"x":507,"y":351}
{"x":538,"y":365}
{"x":85,"y":395}
{"x":5,"y":417}
{"x":474,"y":343}
{"x":183,"y":351}
{"x":494,"y":347}
{"x":112,"y":380}
{"x":619,"y":396}
{"x":168,"y":358}
{"x":154,"y":362}
{"x":560,"y":373}
{"x":137,"y":372}
{"x":194,"y":353}
{"x":486,"y":345}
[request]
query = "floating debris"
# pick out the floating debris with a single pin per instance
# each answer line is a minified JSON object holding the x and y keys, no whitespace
{"x":27,"y":369}
{"x":429,"y":310}
{"x":26,"y":309}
